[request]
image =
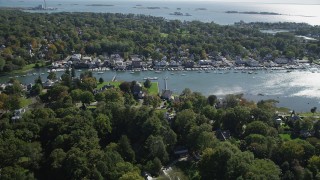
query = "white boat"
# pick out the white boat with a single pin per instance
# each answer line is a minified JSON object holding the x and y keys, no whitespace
{"x":150,"y":78}
{"x":100,"y":72}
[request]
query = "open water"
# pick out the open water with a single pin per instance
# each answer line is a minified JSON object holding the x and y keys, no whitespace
{"x":298,"y":90}
{"x":307,"y":11}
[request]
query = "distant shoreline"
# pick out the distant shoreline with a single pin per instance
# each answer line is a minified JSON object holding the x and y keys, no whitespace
{"x":253,"y":12}
{"x":100,"y":5}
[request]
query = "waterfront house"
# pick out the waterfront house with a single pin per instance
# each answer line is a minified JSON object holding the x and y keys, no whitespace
{"x":166,"y":94}
{"x":302,"y":61}
{"x":136,"y":63}
{"x":160,"y":64}
{"x":48,"y":84}
{"x":174,"y":63}
{"x":239,"y":61}
{"x":75,"y":57}
{"x":189,"y":64}
{"x":137,"y":91}
{"x":281,"y":60}
{"x":86,"y":59}
{"x":205,"y":62}
{"x":252,"y":63}
{"x":120,"y":65}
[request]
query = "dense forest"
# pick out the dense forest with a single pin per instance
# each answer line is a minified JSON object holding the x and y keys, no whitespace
{"x":73,"y":131}
{"x":62,"y":135}
{"x":28,"y":38}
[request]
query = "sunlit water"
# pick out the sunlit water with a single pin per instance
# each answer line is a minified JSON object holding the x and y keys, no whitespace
{"x":298,"y":90}
{"x":215,"y":11}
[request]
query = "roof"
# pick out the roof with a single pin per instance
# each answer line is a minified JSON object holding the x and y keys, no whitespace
{"x":166,"y":94}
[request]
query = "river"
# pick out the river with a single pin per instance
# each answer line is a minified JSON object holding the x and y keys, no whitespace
{"x":298,"y":90}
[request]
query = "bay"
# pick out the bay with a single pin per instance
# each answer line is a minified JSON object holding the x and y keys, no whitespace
{"x":298,"y":90}
{"x":206,"y":11}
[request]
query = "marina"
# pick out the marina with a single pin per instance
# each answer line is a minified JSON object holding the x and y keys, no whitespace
{"x":298,"y":89}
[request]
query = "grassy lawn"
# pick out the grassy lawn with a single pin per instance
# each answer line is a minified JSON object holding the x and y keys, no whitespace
{"x":309,"y":114}
{"x":91,"y":107}
{"x":285,"y":136}
{"x":154,"y":89}
{"x":25,"y":102}
{"x":116,"y":84}
{"x":26,"y":68}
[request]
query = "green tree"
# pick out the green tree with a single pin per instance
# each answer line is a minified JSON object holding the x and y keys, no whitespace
{"x":147,"y":83}
{"x":125,"y":87}
{"x":214,"y":162}
{"x":125,"y":149}
{"x":76,"y":95}
{"x":36,"y":89}
{"x":157,"y":148}
{"x":73,"y":72}
{"x":2,"y":63}
{"x":184,"y":121}
{"x":212,"y":100}
{"x":52,"y":75}
{"x":263,"y":169}
{"x":152,"y":100}
{"x":103,"y":125}
{"x":89,"y":83}
{"x":101,"y":80}
{"x":86,"y":97}
{"x":257,"y":127}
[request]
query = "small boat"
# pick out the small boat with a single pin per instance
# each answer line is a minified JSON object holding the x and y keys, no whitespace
{"x":100,"y":72}
{"x":150,"y":78}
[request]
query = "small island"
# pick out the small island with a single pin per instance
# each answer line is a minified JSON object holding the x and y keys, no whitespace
{"x":153,"y":8}
{"x":201,"y":9}
{"x":100,"y":5}
{"x":252,"y":12}
{"x":180,"y":14}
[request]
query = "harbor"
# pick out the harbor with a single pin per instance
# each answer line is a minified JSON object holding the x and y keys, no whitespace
{"x":298,"y":89}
